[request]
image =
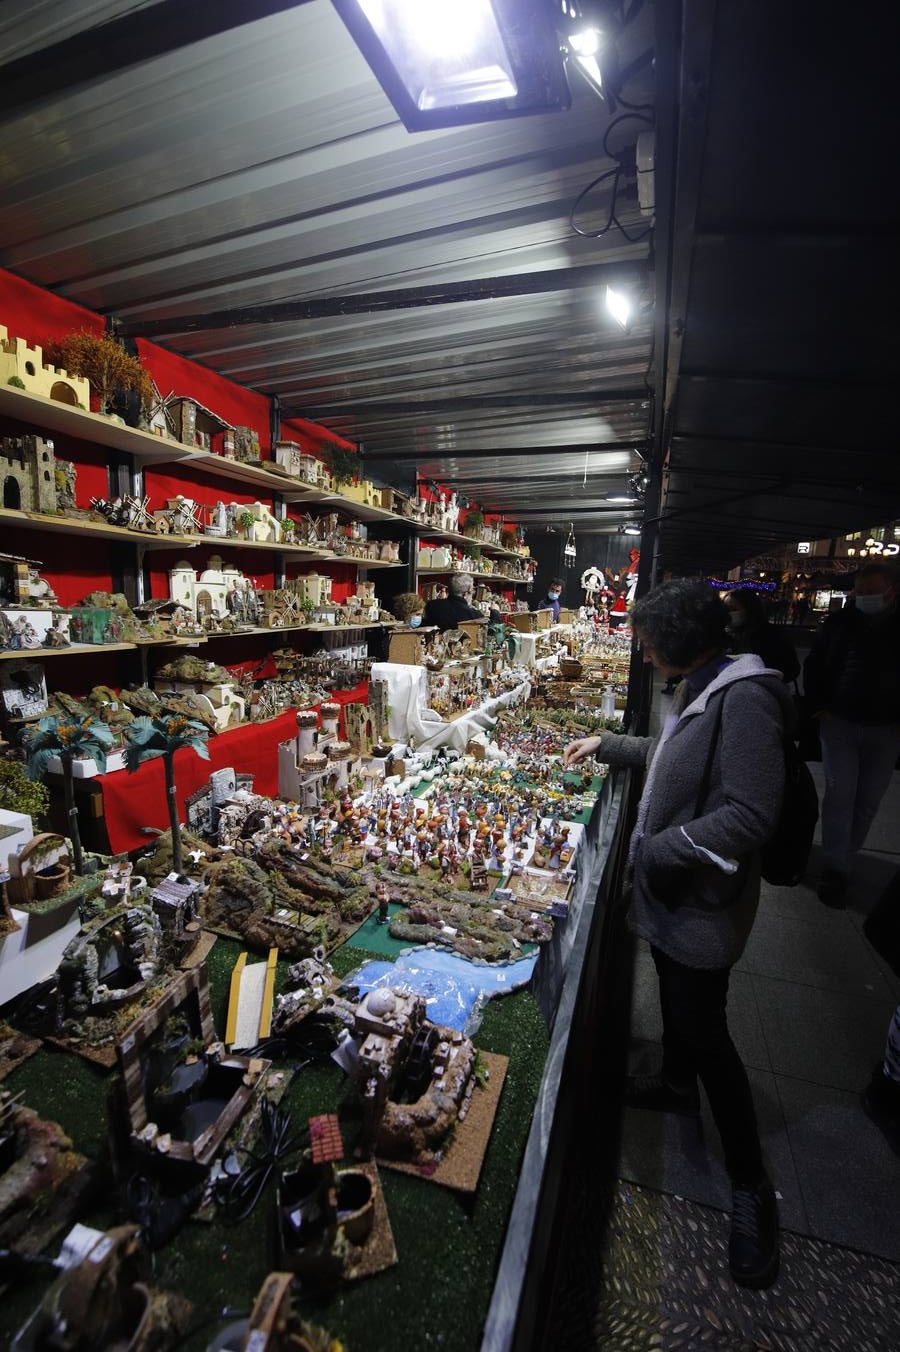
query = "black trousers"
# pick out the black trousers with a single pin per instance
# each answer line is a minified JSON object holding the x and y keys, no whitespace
{"x":696,"y":1042}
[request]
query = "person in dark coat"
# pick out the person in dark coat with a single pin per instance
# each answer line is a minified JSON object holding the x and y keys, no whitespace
{"x":446,"y":612}
{"x":711,"y":799}
{"x":751,"y":632}
{"x":851,"y":680}
{"x":553,"y":600}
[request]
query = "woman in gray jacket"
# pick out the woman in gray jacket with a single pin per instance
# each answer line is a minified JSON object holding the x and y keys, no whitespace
{"x":711,"y":799}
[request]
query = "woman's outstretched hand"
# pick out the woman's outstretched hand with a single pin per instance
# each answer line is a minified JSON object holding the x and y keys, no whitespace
{"x":576,"y":752}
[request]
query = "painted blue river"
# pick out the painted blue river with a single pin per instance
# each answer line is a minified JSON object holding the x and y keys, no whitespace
{"x":455,"y":989}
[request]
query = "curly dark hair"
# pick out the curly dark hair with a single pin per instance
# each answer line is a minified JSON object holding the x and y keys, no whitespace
{"x":681,"y":621}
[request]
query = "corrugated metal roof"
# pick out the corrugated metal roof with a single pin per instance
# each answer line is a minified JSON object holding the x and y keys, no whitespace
{"x":264,"y":165}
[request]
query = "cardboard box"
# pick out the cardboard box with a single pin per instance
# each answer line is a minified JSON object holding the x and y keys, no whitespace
{"x":407,"y":646}
{"x":525,"y":621}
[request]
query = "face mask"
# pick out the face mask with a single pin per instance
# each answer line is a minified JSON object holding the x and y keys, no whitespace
{"x":554,"y":595}
{"x":737,"y":620}
{"x":415,"y":621}
{"x":871,"y":605}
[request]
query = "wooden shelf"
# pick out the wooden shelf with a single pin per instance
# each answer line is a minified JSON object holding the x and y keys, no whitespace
{"x":73,"y":650}
{"x":102,"y":530}
{"x":96,"y":530}
{"x":481,"y":577}
{"x":48,"y":415}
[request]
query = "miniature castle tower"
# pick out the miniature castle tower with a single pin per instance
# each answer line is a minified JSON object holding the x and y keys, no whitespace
{"x":18,"y":361}
{"x":292,"y":754}
{"x":28,"y":473}
{"x":331,"y":714}
{"x":359,"y":729}
{"x":339,"y":757}
{"x":312,"y":769}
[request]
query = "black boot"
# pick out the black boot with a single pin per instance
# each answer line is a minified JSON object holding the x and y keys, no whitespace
{"x":657,"y":1095}
{"x":753,"y":1247}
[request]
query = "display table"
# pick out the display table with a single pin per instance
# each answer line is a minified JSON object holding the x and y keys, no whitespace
{"x":412,"y":720}
{"x":131,"y":802}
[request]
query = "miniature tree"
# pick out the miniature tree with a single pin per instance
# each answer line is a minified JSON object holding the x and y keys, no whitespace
{"x":245,"y":521}
{"x":70,"y":737}
{"x":474,"y":522}
{"x":288,"y":526}
{"x":19,"y":793}
{"x":163,"y":736}
{"x":344,"y":465}
{"x":105,"y":363}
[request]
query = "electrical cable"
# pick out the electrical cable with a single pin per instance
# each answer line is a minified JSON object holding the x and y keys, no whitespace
{"x":624,"y":165}
{"x":237,"y":1193}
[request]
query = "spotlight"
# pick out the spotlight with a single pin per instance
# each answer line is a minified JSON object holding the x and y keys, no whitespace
{"x":631,"y":529}
{"x":453,"y":62}
{"x":584,"y":43}
{"x":638,"y":484}
{"x":620,"y":307}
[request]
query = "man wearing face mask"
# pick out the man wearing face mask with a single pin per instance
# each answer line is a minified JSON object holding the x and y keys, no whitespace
{"x":552,"y":601}
{"x":447,"y":612}
{"x":852,"y":682}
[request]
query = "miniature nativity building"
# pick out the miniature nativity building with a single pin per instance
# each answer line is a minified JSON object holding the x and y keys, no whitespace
{"x":415,"y":1077}
{"x":181,"y":1093}
{"x":23,"y":366}
{"x":314,"y":762}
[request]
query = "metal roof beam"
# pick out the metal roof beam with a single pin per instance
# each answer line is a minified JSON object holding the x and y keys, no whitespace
{"x":413,"y":407}
{"x":405,"y":298}
{"x":109,"y":48}
{"x":574,"y":447}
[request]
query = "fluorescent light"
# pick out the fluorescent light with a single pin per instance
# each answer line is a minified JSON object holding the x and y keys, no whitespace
{"x":619,"y":306}
{"x":632,"y":530}
{"x":620,"y":497}
{"x":453,"y":62}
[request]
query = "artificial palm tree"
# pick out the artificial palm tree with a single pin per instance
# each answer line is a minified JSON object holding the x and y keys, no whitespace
{"x":163,"y":736}
{"x":70,"y":737}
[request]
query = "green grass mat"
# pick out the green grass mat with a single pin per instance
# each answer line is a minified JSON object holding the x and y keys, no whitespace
{"x":448,"y":1245}
{"x":378,"y":938}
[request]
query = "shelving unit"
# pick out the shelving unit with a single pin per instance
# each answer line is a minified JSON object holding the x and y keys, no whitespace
{"x":51,"y":416}
{"x":479,"y":577}
{"x":73,"y":650}
{"x":44,"y":417}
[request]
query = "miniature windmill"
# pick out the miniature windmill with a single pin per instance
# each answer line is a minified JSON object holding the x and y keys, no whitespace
{"x":139,"y":517}
{"x":161,"y":419}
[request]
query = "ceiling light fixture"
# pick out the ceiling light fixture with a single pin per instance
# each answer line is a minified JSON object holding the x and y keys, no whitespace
{"x":620,"y":307}
{"x":632,"y":529}
{"x":623,"y":498}
{"x":452,"y":62}
{"x":584,"y":42}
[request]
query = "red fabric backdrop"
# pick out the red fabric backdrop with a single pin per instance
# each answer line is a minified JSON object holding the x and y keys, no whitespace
{"x":177,"y":375}
{"x":36,"y":315}
{"x":314,"y":439}
{"x":133,"y":801}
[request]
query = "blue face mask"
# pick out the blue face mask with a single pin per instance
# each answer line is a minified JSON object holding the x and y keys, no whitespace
{"x":415,"y":621}
{"x":554,"y":595}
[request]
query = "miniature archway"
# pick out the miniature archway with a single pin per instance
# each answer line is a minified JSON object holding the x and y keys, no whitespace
{"x":12,"y":493}
{"x":63,"y":393}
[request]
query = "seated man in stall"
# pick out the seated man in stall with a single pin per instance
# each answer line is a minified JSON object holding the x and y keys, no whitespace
{"x":447,"y":612}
